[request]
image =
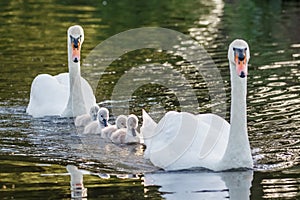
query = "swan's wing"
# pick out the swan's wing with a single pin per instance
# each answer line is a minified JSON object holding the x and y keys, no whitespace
{"x":47,"y":96}
{"x":183,"y":140}
{"x":63,"y":78}
{"x":215,"y":138}
{"x":175,"y":134}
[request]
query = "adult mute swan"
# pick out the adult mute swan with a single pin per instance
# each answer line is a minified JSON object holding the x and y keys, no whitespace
{"x":120,"y":123}
{"x":129,"y":134}
{"x":85,"y":119}
{"x":182,"y":140}
{"x":66,"y":94}
{"x":97,"y":126}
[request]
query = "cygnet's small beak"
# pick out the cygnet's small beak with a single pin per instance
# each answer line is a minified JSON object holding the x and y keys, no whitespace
{"x":240,"y":60}
{"x":133,"y":132}
{"x":104,"y":122}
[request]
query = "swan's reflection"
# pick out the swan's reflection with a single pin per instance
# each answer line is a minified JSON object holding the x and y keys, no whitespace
{"x":78,"y":191}
{"x":202,"y":185}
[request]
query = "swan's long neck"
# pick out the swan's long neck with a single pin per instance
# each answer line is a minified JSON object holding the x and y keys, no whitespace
{"x":238,"y":151}
{"x":75,"y":104}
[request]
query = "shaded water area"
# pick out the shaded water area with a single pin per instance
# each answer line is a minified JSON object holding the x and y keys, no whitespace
{"x":35,"y":152}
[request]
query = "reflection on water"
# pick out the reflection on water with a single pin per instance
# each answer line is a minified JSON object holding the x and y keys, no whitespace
{"x":33,"y":41}
{"x":78,"y":191}
{"x":202,"y":185}
{"x":32,"y":180}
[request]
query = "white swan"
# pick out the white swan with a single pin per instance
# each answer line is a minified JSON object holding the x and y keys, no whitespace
{"x":97,"y":126}
{"x":120,"y":123}
{"x":182,"y":140}
{"x":66,"y":94}
{"x":85,"y":119}
{"x":129,"y":134}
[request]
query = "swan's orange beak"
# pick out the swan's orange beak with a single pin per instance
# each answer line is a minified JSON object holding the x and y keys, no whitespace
{"x":76,"y":51}
{"x":241,"y":62}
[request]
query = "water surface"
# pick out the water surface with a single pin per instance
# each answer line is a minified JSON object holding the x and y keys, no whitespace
{"x":34,"y":152}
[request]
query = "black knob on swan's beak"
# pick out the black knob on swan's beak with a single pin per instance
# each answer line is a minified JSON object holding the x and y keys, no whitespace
{"x":242,"y":75}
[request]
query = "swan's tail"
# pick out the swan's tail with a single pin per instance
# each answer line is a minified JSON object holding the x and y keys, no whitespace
{"x":147,"y":131}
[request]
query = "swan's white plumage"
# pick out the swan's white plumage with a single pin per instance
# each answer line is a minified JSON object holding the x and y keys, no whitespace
{"x":120,"y":123}
{"x":50,"y":95}
{"x":95,"y":127}
{"x":85,"y":119}
{"x":177,"y":141}
{"x":129,"y":134}
{"x":47,"y":102}
{"x":183,"y":140}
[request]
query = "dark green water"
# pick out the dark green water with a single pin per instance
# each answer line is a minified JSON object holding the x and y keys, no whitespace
{"x":34,"y":152}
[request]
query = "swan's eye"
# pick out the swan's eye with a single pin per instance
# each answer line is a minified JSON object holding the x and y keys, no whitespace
{"x":72,"y":39}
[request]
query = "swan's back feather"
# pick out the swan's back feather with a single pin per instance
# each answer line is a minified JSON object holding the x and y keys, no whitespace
{"x":49,"y":95}
{"x":183,"y":140}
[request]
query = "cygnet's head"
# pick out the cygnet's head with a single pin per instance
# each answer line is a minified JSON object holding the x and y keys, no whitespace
{"x":132,"y":123}
{"x":238,"y":56}
{"x":121,"y":121}
{"x":75,"y":40}
{"x":94,"y":112}
{"x":103,"y":116}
